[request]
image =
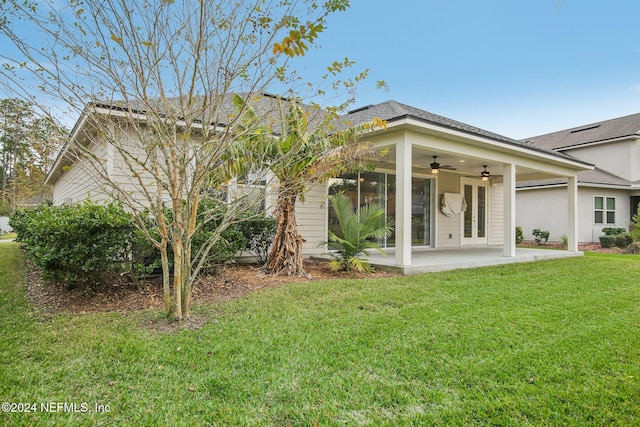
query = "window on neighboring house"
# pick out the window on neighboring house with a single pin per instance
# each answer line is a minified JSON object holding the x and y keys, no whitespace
{"x":604,"y":210}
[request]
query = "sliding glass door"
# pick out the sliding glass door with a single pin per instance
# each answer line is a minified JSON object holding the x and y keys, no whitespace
{"x":420,"y":211}
{"x":379,"y":188}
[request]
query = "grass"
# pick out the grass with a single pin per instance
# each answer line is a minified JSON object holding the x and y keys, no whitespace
{"x":547,"y":343}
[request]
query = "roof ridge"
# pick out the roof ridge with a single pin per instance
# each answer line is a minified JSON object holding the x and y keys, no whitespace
{"x":584,"y":126}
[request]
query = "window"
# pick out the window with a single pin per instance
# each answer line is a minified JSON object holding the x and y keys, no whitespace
{"x":250,"y":190}
{"x":604,"y":210}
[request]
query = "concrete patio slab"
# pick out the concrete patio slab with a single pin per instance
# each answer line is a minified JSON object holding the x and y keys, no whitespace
{"x":434,"y":260}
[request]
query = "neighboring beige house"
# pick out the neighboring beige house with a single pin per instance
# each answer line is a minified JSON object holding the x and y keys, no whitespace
{"x":478,"y":213}
{"x":608,"y":195}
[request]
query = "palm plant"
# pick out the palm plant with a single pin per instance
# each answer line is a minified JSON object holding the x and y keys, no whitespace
{"x":359,"y":231}
{"x":300,"y":146}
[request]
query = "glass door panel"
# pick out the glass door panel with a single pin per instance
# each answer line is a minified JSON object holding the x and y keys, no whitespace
{"x":468,"y":214}
{"x":482,"y":212}
{"x":348,"y":185}
{"x":373,"y":191}
{"x":391,"y":208}
{"x":420,"y":211}
{"x":474,"y":220}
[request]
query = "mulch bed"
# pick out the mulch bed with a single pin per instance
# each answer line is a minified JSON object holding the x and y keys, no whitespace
{"x":585,"y":247}
{"x":116,"y":292}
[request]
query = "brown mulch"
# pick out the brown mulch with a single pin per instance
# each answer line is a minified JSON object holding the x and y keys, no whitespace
{"x":116,"y":292}
{"x":585,"y":247}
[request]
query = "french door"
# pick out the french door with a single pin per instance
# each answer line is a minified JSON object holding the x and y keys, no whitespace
{"x":474,"y":221}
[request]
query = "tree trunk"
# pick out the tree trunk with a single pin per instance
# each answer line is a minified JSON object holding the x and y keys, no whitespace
{"x":285,"y":257}
{"x":178,"y":277}
{"x":166,"y":279}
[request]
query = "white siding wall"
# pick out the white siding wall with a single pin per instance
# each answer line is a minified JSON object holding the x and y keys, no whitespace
{"x":312,"y":218}
{"x":496,"y":214}
{"x":447,"y":226}
{"x":80,"y":181}
{"x":121,"y":173}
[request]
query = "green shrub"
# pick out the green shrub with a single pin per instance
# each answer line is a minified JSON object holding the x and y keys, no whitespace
{"x":259,"y":232}
{"x":74,"y":243}
{"x":633,"y":248}
{"x":224,"y":246}
{"x":623,"y":240}
{"x":565,"y":241}
{"x":519,"y":234}
{"x":540,"y":236}
{"x":607,"y":241}
{"x":613,"y":231}
{"x":634,"y":227}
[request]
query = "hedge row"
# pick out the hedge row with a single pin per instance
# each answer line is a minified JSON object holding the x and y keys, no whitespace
{"x":620,"y":240}
{"x":77,"y":243}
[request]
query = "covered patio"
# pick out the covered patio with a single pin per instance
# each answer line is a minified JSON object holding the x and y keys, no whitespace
{"x":434,"y":260}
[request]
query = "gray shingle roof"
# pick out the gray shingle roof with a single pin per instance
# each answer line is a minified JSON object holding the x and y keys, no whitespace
{"x":393,"y":110}
{"x":222,"y":110}
{"x":594,"y":132}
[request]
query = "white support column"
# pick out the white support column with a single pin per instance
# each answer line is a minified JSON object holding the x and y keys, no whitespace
{"x":572,"y":209}
{"x":509,"y":232}
{"x":403,"y":203}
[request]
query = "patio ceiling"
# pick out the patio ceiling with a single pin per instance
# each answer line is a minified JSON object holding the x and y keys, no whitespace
{"x":458,"y":164}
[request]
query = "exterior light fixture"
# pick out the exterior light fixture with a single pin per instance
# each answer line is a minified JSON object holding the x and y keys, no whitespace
{"x":435,"y":166}
{"x":485,"y":175}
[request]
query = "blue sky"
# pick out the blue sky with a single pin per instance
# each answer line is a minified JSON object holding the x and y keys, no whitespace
{"x":516,"y":67}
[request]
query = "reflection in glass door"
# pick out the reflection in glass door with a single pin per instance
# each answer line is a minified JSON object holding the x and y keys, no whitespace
{"x":420,"y":212}
{"x":474,"y":220}
{"x":379,"y":188}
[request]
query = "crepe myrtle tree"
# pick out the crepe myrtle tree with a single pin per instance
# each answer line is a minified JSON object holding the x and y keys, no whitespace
{"x":152,"y":81}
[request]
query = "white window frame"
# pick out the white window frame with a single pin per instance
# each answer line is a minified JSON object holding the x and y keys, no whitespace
{"x":605,"y":210}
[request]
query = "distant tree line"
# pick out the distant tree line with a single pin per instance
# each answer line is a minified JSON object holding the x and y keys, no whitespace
{"x":28,"y":145}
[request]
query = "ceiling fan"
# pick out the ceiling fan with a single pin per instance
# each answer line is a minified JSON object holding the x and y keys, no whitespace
{"x":435,"y":167}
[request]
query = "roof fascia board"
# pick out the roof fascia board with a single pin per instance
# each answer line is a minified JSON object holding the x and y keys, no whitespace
{"x":541,"y":187}
{"x":580,"y":184}
{"x":609,"y":186}
{"x":141,"y":117}
{"x":493,"y":144}
{"x":600,"y":142}
{"x":113,"y":111}
{"x":72,"y":136}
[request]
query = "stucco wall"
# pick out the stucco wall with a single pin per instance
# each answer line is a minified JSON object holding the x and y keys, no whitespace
{"x":547,"y":209}
{"x":544,"y":209}
{"x":621,"y":158}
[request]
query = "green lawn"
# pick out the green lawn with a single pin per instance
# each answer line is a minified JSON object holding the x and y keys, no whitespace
{"x":8,"y":236}
{"x":548,"y":343}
